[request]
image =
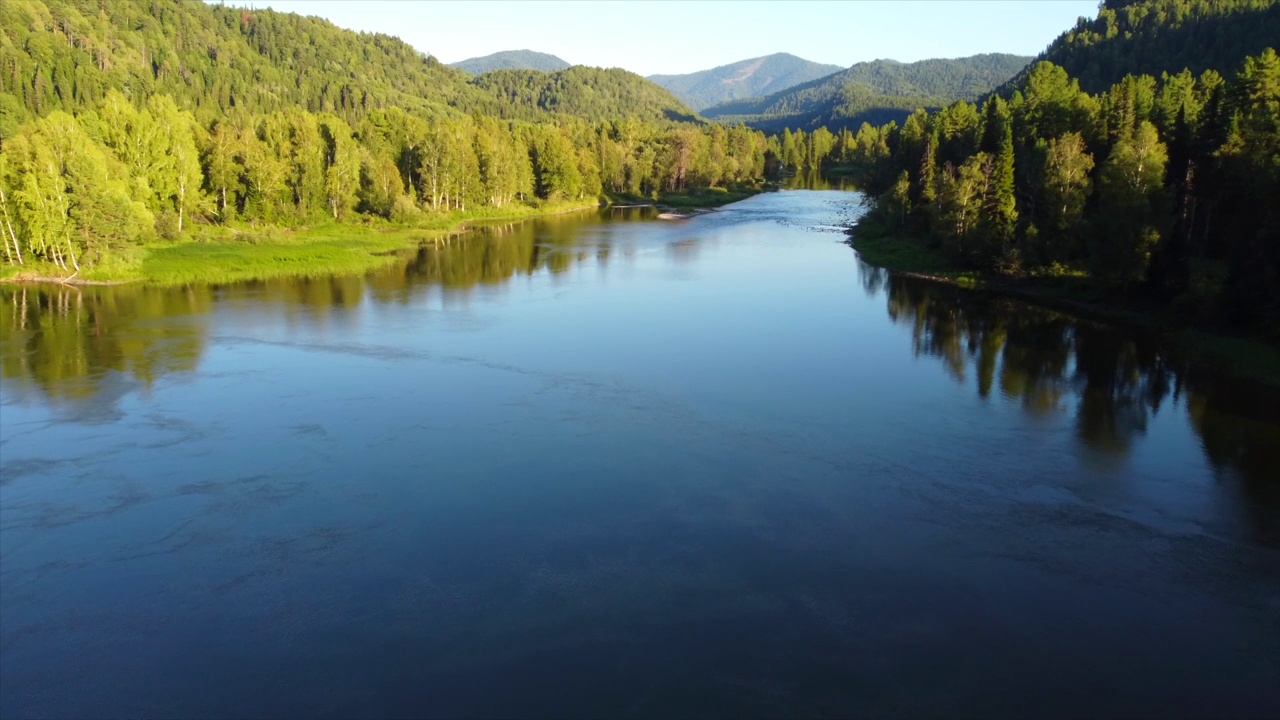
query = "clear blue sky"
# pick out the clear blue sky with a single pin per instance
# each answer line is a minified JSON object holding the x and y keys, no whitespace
{"x":661,"y":36}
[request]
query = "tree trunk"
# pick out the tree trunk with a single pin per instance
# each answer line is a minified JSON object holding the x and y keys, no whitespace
{"x":9,"y":225}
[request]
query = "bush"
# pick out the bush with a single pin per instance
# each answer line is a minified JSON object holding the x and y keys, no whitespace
{"x":167,"y":225}
{"x":405,"y":210}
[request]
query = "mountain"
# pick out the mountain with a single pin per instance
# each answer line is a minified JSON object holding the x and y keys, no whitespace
{"x":745,"y":79}
{"x":593,"y":93}
{"x":216,"y":59}
{"x":511,"y":60}
{"x":67,"y":54}
{"x":875,"y":92}
{"x":1151,"y":37}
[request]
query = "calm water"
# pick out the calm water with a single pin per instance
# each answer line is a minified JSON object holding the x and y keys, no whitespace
{"x":607,"y":466}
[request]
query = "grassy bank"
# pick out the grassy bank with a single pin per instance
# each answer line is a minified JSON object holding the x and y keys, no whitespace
{"x":222,"y":255}
{"x":682,"y":200}
{"x":1239,"y":355}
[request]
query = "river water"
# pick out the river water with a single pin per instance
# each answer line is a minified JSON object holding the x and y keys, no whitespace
{"x":604,"y":465}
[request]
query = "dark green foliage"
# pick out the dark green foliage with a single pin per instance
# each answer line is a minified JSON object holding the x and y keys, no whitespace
{"x":874,"y":92}
{"x":212,"y":59}
{"x":1136,"y":185}
{"x":587,"y":92}
{"x":511,"y":60}
{"x":1152,"y":37}
{"x":743,"y":80}
{"x":68,"y":54}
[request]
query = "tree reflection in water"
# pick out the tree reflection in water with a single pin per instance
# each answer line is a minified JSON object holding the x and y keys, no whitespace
{"x":1113,"y":381}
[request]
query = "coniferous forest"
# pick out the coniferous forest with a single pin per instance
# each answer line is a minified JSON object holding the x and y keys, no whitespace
{"x":1161,"y":188}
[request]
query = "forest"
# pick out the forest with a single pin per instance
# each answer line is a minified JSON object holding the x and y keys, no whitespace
{"x":1148,"y":188}
{"x":875,"y":92}
{"x":125,"y":124}
{"x":1141,"y":151}
{"x":78,"y":188}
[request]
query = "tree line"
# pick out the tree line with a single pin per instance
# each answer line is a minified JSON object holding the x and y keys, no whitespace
{"x":82,"y":187}
{"x":1135,"y":184}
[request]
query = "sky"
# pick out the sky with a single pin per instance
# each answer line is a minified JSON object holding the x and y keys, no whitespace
{"x":668,"y":37}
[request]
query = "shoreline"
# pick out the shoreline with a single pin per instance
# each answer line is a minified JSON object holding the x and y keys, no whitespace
{"x":363,"y":249}
{"x":1248,"y":358}
{"x":331,"y":249}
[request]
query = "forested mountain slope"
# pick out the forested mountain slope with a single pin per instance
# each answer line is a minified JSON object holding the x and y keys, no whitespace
{"x":68,"y":54}
{"x":124,"y":122}
{"x":588,"y":92}
{"x":874,"y":92}
{"x":511,"y":60}
{"x":744,"y":79}
{"x":1152,"y":37}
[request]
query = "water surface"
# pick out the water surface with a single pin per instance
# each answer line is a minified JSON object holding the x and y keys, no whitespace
{"x":601,"y":465}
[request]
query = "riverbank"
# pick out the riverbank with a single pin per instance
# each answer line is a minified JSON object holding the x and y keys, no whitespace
{"x":1242,"y":356}
{"x":219,"y":255}
{"x":686,"y":201}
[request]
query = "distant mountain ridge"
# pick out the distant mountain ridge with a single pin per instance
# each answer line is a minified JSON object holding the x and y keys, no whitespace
{"x":743,"y":79}
{"x":511,"y":60}
{"x":875,"y":92}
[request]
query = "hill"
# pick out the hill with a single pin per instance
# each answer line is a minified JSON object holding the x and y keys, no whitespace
{"x":875,"y":92}
{"x":744,"y":79}
{"x":588,"y":92}
{"x":511,"y":60}
{"x":213,"y":59}
{"x":67,"y":55}
{"x":1152,"y":37}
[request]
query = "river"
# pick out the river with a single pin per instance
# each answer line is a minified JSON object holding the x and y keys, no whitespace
{"x":604,"y":465}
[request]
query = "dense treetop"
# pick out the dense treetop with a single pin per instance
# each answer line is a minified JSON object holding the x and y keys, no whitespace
{"x":511,"y":60}
{"x":68,"y":54}
{"x":587,"y":92}
{"x":741,"y":80}
{"x":1136,"y":186}
{"x":875,"y":91}
{"x":1151,"y":37}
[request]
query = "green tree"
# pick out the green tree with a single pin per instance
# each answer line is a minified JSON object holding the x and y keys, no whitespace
{"x":1131,"y":211}
{"x":1066,"y":189}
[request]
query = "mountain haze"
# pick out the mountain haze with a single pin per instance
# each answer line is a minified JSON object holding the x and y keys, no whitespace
{"x":511,"y":60}
{"x":875,"y":92}
{"x":744,"y":79}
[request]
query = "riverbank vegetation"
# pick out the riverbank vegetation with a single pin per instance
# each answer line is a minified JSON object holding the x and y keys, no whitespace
{"x":128,"y":130}
{"x":78,"y":191}
{"x":1157,"y":192}
{"x":1142,"y":193}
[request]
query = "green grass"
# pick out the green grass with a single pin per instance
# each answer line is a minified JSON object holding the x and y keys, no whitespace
{"x":220,"y":255}
{"x":907,"y":255}
{"x":351,"y":251}
{"x":689,"y":199}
